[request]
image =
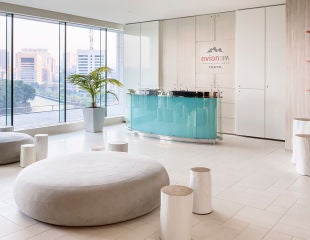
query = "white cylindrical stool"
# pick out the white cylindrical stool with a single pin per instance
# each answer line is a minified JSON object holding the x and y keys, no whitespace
{"x":41,"y":144}
{"x":302,"y":157}
{"x":6,"y":129}
{"x":118,"y":146}
{"x":97,"y":148}
{"x":300,"y":126}
{"x":27,"y":154}
{"x":176,"y":212}
{"x":200,"y":182}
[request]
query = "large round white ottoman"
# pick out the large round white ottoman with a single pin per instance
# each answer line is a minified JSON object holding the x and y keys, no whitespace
{"x":10,"y":143}
{"x":90,"y":188}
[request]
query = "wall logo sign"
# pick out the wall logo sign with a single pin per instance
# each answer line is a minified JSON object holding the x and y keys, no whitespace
{"x":213,"y":57}
{"x":214,"y":49}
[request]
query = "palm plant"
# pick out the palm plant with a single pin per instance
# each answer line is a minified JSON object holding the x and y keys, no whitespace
{"x":94,"y":81}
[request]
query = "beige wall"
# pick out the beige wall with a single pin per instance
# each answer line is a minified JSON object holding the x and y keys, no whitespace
{"x":298,"y":69}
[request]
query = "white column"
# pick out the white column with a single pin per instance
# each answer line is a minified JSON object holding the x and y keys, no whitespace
{"x":200,"y":182}
{"x":41,"y":144}
{"x":176,"y":212}
{"x":302,"y":154}
{"x":27,"y":154}
{"x":300,"y":126}
{"x":118,"y":146}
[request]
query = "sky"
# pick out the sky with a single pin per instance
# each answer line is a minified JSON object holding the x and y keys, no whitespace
{"x":46,"y":35}
{"x":34,"y":34}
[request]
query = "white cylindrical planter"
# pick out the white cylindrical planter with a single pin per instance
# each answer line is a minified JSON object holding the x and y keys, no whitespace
{"x":200,"y":182}
{"x":41,"y":144}
{"x":27,"y":154}
{"x":176,"y":212}
{"x":97,"y":148}
{"x":302,"y":157}
{"x":6,"y":129}
{"x":118,"y":146}
{"x":300,"y":126}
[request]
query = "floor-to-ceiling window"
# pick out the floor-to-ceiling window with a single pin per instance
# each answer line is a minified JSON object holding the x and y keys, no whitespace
{"x":44,"y":54}
{"x":115,"y":62}
{"x":36,"y":73}
{"x":3,"y":108}
{"x":83,"y":56}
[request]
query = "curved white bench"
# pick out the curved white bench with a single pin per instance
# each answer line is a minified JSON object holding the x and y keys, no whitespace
{"x":90,"y":188}
{"x":10,"y":143}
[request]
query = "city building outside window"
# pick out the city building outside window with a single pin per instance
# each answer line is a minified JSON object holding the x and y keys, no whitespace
{"x":38,"y":86}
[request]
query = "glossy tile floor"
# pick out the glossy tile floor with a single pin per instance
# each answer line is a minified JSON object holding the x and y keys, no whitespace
{"x":257,"y":194}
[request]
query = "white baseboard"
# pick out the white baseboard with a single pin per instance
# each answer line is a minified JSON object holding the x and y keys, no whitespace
{"x":68,"y":127}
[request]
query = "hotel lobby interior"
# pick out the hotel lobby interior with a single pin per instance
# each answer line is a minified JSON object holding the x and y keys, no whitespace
{"x":207,"y":136}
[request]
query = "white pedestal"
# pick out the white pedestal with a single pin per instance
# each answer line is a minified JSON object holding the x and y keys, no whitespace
{"x":176,"y":212}
{"x":118,"y":146}
{"x":302,"y":155}
{"x":200,"y":182}
{"x":6,"y":129}
{"x":27,"y":154}
{"x":98,"y":148}
{"x":300,"y":126}
{"x":41,"y":144}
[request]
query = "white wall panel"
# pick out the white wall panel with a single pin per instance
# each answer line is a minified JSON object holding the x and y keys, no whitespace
{"x":228,"y":95}
{"x":225,"y":80}
{"x":186,"y":53}
{"x":228,"y":125}
{"x":169,"y":55}
{"x":205,"y":28}
{"x":225,"y":26}
{"x":150,"y":54}
{"x":275,"y":72}
{"x":132,"y":56}
{"x":250,"y":48}
{"x":204,"y":80}
{"x":228,"y":110}
{"x":250,"y":112}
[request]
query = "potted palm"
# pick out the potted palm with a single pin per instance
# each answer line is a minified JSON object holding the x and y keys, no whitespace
{"x":93,"y":83}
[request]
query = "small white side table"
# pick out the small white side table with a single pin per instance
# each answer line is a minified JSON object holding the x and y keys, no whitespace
{"x":302,"y":155}
{"x":27,"y":154}
{"x":6,"y":129}
{"x":176,"y":212}
{"x":300,"y":126}
{"x":200,"y":182}
{"x":97,"y":148}
{"x":118,"y":146}
{"x":41,"y":144}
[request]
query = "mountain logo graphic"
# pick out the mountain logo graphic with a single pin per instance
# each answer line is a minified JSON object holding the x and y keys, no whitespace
{"x":214,"y":49}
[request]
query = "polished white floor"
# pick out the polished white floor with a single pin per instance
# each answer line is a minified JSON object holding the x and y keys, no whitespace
{"x":257,"y":194}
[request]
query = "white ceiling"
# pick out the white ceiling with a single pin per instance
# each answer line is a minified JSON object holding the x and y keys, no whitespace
{"x":130,"y":11}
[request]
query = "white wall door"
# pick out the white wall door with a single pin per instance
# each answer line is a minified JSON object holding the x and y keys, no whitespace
{"x":132,"y":56}
{"x":169,"y":54}
{"x":149,"y":55}
{"x":186,"y":53}
{"x":250,"y":48}
{"x":250,"y":112}
{"x":225,"y":26}
{"x":275,"y":72}
{"x":205,"y":28}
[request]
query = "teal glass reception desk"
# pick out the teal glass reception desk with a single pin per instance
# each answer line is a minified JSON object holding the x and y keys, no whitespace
{"x":181,"y":118}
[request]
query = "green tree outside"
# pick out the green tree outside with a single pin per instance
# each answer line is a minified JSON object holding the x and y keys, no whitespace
{"x":22,"y":94}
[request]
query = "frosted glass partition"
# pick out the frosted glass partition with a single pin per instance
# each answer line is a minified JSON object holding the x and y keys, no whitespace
{"x":180,"y":117}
